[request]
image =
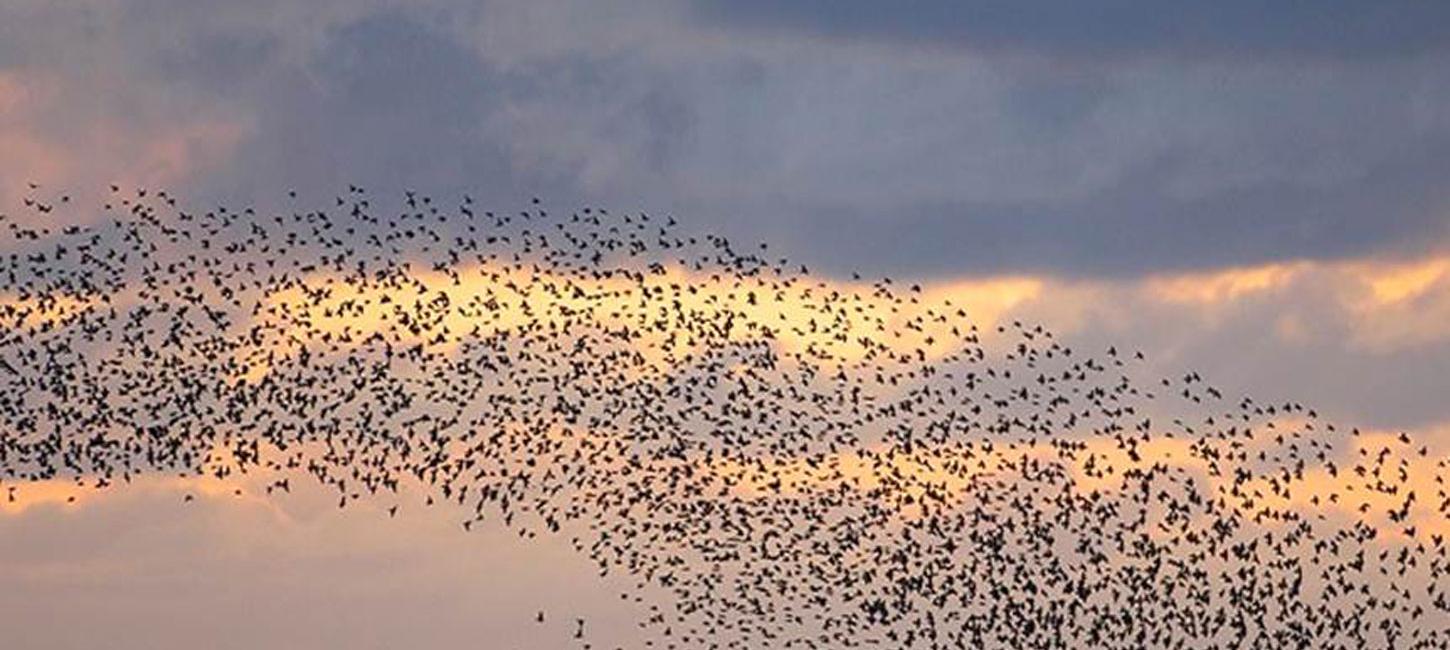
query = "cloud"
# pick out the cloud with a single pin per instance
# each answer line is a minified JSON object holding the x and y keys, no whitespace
{"x":1364,"y":339}
{"x":966,"y":163}
{"x":1216,"y":287}
{"x":1257,"y":194}
{"x":933,"y":163}
{"x":1114,"y":29}
{"x":1132,"y":227}
{"x":1382,"y":305}
{"x":144,"y":569}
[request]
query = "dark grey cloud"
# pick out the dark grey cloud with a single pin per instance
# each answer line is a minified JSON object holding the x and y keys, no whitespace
{"x":1135,"y":227}
{"x":1115,"y":28}
{"x":388,"y":101}
{"x":886,"y":159}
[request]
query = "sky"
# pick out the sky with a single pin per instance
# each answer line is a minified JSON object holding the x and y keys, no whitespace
{"x":1255,"y":193}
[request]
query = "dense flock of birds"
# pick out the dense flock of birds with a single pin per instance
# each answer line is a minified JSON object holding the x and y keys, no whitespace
{"x":790,"y":461}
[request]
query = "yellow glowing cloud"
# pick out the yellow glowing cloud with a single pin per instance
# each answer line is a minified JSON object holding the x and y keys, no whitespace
{"x":17,"y":312}
{"x":797,"y":316}
{"x":1392,"y":306}
{"x":1219,"y":286}
{"x":1396,"y":283}
{"x":70,"y":495}
{"x":1370,"y":477}
{"x":988,"y":300}
{"x":1383,"y":305}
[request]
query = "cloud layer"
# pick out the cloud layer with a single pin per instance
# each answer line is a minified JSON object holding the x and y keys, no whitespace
{"x":1317,"y":140}
{"x":1257,"y":193}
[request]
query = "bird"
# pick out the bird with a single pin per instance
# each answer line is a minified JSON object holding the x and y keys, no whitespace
{"x":772,"y":457}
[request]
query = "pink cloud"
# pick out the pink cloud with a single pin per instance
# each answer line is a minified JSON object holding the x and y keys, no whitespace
{"x":87,"y":156}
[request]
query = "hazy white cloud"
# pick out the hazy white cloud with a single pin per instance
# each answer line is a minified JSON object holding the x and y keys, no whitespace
{"x":138,"y":567}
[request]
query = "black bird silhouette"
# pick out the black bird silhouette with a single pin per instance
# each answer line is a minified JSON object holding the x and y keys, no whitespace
{"x":787,"y":460}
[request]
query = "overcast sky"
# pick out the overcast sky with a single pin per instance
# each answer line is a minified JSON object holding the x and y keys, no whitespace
{"x":1257,"y":193}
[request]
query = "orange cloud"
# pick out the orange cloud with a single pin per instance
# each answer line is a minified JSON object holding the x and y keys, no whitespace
{"x":1383,"y":306}
{"x":74,"y":495}
{"x":1219,"y":286}
{"x":1399,"y":282}
{"x":1372,"y":483}
{"x":1397,"y":305}
{"x":1383,"y":303}
{"x":797,"y":316}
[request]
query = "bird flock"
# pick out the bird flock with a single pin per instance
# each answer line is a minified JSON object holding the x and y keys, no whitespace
{"x":780,"y":459}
